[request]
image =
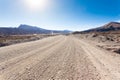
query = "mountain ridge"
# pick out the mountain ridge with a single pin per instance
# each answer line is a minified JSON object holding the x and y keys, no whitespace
{"x":111,"y":26}
{"x":27,"y":29}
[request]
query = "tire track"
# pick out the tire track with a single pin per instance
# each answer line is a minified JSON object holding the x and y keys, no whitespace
{"x":58,"y":58}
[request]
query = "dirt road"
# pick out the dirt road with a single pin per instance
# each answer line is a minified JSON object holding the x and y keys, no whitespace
{"x":58,"y":58}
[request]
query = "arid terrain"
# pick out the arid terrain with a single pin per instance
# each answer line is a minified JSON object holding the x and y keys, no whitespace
{"x":107,"y":40}
{"x":6,"y":40}
{"x":58,"y":58}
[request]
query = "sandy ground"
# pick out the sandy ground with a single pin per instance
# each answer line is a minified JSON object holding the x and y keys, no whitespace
{"x":58,"y":58}
{"x":105,"y":41}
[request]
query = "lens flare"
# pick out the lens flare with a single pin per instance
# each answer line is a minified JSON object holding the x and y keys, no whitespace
{"x":37,"y":5}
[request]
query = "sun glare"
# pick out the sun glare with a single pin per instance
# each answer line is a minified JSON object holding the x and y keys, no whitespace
{"x":37,"y":5}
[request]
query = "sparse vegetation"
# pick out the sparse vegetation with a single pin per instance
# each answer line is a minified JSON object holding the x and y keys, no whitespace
{"x":13,"y":39}
{"x":110,"y":39}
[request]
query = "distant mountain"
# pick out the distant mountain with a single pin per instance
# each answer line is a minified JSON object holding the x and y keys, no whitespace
{"x":112,"y":26}
{"x":27,"y":29}
{"x":33,"y":29}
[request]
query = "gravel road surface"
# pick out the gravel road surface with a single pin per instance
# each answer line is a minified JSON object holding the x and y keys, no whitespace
{"x":58,"y":58}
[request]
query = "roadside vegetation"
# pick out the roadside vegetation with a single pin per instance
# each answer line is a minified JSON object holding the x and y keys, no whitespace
{"x":6,"y":40}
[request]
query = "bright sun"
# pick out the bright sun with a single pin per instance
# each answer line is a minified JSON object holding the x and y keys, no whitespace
{"x":37,"y":5}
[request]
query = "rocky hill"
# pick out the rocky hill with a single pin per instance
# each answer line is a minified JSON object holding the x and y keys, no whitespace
{"x":112,"y":26}
{"x":27,"y":29}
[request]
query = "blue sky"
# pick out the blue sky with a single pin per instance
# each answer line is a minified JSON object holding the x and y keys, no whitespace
{"x":60,"y":14}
